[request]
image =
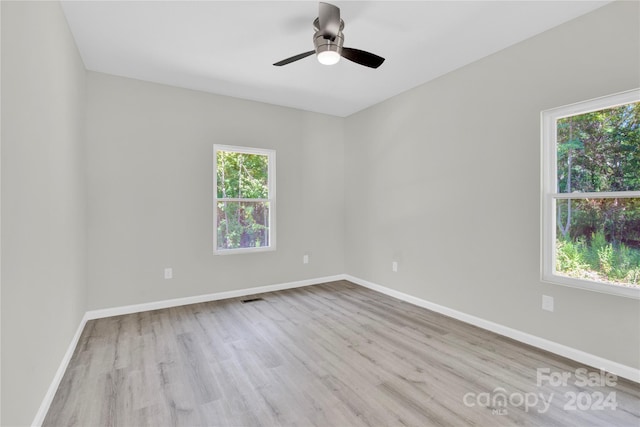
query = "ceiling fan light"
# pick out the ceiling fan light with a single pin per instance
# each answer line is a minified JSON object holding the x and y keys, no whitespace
{"x":328,"y":57}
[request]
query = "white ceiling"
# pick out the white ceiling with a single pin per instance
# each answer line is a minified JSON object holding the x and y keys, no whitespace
{"x":228,"y":47}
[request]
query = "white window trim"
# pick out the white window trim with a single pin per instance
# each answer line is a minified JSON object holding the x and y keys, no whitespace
{"x":549,"y":192}
{"x":272,"y":198}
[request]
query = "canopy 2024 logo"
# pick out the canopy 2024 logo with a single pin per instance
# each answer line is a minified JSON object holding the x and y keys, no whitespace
{"x":499,"y":400}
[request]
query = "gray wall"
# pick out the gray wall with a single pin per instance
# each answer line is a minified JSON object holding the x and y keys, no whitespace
{"x":43,"y":202}
{"x":445,"y":179}
{"x":150,"y":174}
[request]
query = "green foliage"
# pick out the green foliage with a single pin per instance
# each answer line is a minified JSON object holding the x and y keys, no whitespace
{"x":598,"y":260}
{"x":243,"y":224}
{"x":570,"y":257}
{"x":600,"y":150}
{"x":633,"y":276}
{"x":242,"y":175}
{"x":605,"y":256}
{"x":595,"y":249}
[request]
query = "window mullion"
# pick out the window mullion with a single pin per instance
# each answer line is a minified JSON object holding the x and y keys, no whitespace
{"x":231,"y":199}
{"x":600,"y":195}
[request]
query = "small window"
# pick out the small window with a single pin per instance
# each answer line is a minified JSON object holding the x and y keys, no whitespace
{"x":591,"y":195}
{"x":244,"y":205}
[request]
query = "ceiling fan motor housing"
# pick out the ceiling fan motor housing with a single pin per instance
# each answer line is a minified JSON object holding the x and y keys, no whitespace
{"x":324,"y":41}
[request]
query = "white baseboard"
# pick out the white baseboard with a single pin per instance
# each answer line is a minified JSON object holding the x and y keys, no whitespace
{"x":618,"y":369}
{"x":598,"y":362}
{"x":51,"y":392}
{"x":156,"y":305}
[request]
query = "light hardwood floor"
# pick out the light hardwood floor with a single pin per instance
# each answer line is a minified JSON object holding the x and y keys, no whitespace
{"x":334,"y":354}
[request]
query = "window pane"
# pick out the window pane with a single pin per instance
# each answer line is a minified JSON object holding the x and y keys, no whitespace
{"x":599,"y":151}
{"x":599,"y":240}
{"x":242,"y":175}
{"x":243,"y":225}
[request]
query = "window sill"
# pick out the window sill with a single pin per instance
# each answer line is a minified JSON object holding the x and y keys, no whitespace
{"x":589,"y":285}
{"x":243,"y":250}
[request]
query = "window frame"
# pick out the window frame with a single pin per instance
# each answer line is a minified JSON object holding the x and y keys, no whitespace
{"x":271,"y":200}
{"x":550,"y":195}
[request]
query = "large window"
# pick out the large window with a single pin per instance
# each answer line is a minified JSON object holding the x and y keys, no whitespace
{"x":244,"y":199}
{"x":591,"y":194}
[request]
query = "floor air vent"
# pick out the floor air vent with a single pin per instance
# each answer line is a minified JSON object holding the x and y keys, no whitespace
{"x":244,"y":301}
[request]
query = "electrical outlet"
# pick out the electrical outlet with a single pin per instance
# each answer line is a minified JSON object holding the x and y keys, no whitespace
{"x":168,"y":273}
{"x":394,"y":266}
{"x":547,"y":303}
{"x":305,"y":259}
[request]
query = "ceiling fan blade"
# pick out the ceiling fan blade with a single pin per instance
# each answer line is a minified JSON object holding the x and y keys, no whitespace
{"x":294,"y":58}
{"x":329,"y":19}
{"x":361,"y":57}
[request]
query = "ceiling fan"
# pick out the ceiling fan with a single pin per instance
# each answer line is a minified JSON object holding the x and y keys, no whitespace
{"x":328,"y":40}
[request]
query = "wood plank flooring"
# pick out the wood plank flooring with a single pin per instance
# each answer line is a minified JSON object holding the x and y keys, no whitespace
{"x":334,"y":354}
